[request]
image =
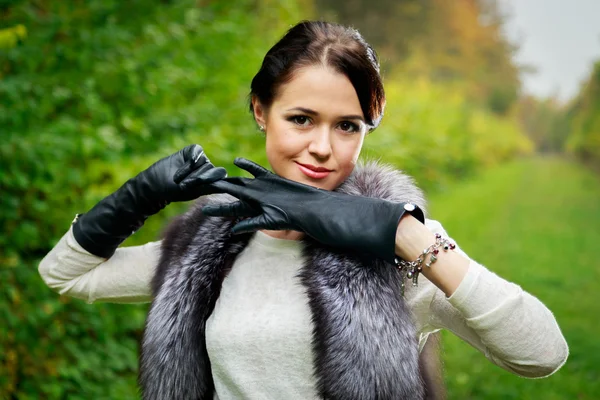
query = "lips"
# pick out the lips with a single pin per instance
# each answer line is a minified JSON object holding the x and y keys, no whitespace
{"x":313,"y":168}
{"x":313,"y":171}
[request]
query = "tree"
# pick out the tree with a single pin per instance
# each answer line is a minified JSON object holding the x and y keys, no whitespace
{"x":584,"y":115}
{"x":457,"y":42}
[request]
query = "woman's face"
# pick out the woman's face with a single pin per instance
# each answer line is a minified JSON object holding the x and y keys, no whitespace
{"x":314,"y":128}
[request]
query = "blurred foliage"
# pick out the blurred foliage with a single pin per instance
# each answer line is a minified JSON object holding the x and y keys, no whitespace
{"x":574,"y":126}
{"x":97,"y":90}
{"x":584,"y":118}
{"x":437,"y":135}
{"x":444,"y":41}
{"x":545,"y":121}
{"x":10,"y":37}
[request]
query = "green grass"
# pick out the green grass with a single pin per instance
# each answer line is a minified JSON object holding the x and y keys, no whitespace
{"x":535,"y":222}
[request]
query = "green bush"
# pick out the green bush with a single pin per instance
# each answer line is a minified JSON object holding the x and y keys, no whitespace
{"x":584,"y":137}
{"x":97,"y":92}
{"x":436,"y":134}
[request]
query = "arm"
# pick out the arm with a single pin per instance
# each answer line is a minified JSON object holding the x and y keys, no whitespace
{"x":87,"y":263}
{"x":412,"y":237}
{"x":512,"y":328}
{"x":125,"y":277}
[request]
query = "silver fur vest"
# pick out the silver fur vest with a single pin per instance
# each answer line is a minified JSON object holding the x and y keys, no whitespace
{"x":364,"y":338}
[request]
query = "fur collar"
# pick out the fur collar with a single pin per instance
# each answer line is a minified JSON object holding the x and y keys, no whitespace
{"x":364,"y":340}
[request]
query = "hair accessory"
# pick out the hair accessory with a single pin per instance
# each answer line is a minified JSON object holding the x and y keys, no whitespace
{"x":414,"y":268}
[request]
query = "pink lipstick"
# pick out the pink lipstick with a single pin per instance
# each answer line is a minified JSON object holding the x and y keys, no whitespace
{"x":313,"y":172}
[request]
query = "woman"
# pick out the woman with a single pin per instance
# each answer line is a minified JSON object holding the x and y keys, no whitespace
{"x":296,"y":288}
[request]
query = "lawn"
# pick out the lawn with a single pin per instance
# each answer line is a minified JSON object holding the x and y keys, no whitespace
{"x":535,"y":222}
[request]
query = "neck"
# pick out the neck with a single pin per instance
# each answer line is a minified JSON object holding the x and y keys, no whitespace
{"x":287,"y":235}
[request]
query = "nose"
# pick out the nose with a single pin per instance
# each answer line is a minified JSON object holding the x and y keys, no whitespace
{"x":320,"y":144}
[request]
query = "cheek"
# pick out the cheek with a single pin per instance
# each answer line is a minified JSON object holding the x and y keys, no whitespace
{"x":280,"y":146}
{"x":272,"y":152}
{"x":347,"y":153}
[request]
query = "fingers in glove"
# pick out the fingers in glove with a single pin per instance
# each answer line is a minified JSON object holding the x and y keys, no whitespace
{"x":191,"y":151}
{"x":214,"y":174}
{"x":235,"y":209}
{"x":251,"y":225}
{"x":273,"y":218}
{"x":234,"y":186}
{"x":207,"y":173}
{"x":251,"y":167}
{"x":197,"y":154}
{"x":192,"y":163}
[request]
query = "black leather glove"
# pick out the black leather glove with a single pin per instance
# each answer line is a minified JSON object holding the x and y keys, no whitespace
{"x":182,"y":176}
{"x":354,"y":223}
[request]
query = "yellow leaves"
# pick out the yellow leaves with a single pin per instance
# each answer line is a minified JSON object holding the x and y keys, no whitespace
{"x":584,"y":135}
{"x":9,"y":37}
{"x":48,"y":308}
{"x":9,"y":365}
{"x":14,"y":296}
{"x":435,"y":133}
{"x":459,"y":42}
{"x":11,"y":357}
{"x":10,"y":261}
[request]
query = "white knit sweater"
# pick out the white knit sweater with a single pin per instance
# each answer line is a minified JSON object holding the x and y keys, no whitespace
{"x":258,"y":336}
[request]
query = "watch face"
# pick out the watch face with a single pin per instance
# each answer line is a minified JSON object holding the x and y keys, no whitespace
{"x":409,"y":207}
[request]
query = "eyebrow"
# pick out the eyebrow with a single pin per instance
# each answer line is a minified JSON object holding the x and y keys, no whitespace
{"x":313,"y":112}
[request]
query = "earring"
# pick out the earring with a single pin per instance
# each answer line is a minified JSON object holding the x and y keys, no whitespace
{"x":261,"y":128}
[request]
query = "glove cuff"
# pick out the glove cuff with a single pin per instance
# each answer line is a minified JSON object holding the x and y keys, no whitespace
{"x":93,"y":238}
{"x":389,"y":254}
{"x":413,"y":210}
{"x":112,"y":220}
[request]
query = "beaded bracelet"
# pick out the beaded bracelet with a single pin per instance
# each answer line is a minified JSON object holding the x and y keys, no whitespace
{"x":414,"y":268}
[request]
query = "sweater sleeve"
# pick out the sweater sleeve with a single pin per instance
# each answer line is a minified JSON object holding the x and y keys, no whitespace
{"x":71,"y":270}
{"x":512,"y":328}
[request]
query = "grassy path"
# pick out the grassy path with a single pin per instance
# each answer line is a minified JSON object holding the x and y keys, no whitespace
{"x":535,"y":222}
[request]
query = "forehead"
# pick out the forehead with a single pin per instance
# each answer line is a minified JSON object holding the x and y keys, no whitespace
{"x":321,"y":89}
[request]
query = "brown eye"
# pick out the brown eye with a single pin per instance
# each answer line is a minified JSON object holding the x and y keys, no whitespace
{"x":349,"y":127}
{"x":301,"y":120}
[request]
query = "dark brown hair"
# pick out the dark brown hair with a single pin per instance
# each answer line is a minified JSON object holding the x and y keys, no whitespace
{"x":318,"y":42}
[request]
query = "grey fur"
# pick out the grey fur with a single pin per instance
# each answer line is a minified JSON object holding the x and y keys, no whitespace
{"x":364,"y":340}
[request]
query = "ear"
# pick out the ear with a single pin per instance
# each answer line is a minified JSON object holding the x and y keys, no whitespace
{"x":260,"y":112}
